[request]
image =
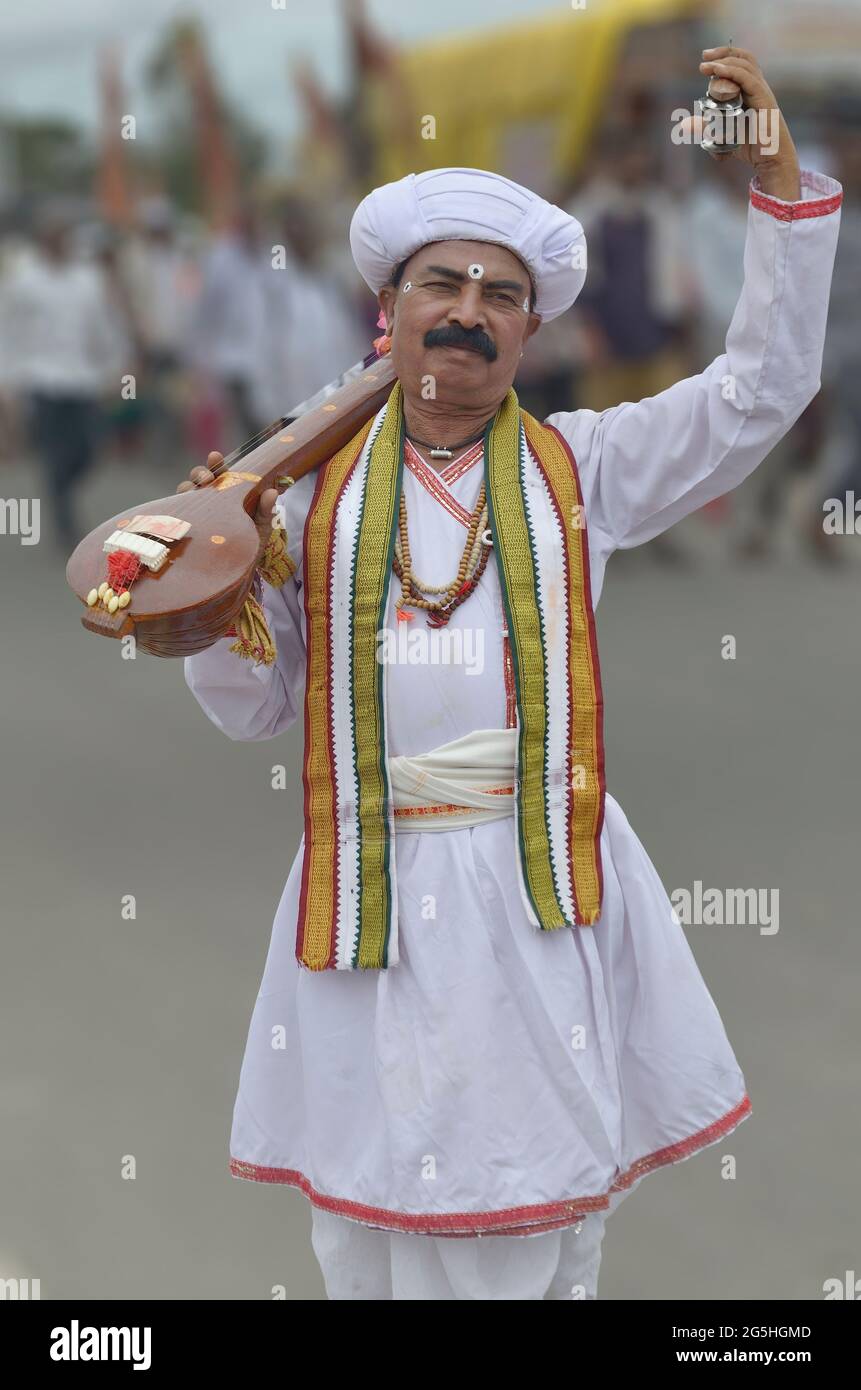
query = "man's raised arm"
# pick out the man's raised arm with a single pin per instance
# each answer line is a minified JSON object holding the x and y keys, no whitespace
{"x":646,"y":464}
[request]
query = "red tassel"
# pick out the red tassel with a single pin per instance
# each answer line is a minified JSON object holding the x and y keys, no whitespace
{"x":123,"y":569}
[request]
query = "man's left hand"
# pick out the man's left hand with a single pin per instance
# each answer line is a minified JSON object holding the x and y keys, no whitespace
{"x":774,"y":159}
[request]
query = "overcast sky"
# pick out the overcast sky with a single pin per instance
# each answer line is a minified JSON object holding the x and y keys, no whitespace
{"x":48,"y":49}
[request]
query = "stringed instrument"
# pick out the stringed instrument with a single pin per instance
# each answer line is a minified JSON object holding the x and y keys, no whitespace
{"x":198,"y":550}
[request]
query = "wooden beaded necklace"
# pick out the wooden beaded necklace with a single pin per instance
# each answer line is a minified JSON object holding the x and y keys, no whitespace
{"x":469,"y":571}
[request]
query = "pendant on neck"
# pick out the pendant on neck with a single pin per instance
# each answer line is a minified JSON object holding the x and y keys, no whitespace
{"x":440,"y":452}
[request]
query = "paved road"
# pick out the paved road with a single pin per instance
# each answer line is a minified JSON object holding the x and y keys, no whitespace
{"x":125,"y":1037}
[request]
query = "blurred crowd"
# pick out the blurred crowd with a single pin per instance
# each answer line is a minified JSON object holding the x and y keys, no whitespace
{"x":166,"y":339}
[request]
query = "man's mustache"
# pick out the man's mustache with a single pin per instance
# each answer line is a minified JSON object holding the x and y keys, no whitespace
{"x":453,"y":335}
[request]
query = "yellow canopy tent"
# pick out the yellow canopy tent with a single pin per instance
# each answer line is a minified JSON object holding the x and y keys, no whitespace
{"x":502,"y":98}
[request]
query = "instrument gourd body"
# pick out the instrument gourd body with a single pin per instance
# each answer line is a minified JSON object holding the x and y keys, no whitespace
{"x":196,"y":595}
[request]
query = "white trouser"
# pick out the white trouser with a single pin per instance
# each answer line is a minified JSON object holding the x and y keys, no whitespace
{"x":361,"y":1263}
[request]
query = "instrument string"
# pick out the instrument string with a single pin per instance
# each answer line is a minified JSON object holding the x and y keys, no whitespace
{"x":319,"y":396}
{"x":244,"y":449}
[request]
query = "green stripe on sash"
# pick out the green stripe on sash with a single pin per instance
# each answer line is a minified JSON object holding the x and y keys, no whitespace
{"x":516,"y":567}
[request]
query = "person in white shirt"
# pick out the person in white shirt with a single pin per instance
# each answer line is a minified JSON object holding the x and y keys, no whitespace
{"x":453,"y":1138}
{"x":162,"y":282}
{"x":227,"y":333}
{"x":312,"y":334}
{"x":61,"y":350}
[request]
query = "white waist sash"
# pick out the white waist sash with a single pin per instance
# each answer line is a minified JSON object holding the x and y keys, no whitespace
{"x":465,"y":782}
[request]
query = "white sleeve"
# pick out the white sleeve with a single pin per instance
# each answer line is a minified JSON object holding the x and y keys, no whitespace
{"x":248,"y":701}
{"x":645,"y":465}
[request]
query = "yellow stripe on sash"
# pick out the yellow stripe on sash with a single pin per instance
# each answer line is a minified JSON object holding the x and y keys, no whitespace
{"x":317,"y":927}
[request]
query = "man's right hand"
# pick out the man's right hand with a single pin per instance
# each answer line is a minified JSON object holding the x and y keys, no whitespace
{"x":199,"y":477}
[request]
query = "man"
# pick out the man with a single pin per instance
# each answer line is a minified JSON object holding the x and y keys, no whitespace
{"x":311,"y":334}
{"x":453,"y":1065}
{"x":63,"y":344}
{"x":637,"y":295}
{"x":160,"y":280}
{"x":842,"y":361}
{"x":226,"y":339}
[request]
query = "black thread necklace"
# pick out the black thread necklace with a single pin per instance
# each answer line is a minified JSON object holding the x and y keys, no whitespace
{"x":443,"y":451}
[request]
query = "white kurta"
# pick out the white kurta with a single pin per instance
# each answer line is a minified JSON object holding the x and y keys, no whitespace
{"x":447,"y":1094}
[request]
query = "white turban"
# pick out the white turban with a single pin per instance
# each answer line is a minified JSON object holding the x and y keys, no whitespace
{"x":393,"y":221}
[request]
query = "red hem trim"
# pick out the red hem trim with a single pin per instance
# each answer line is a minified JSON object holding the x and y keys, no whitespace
{"x":548,"y":1216}
{"x":793,"y":212}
